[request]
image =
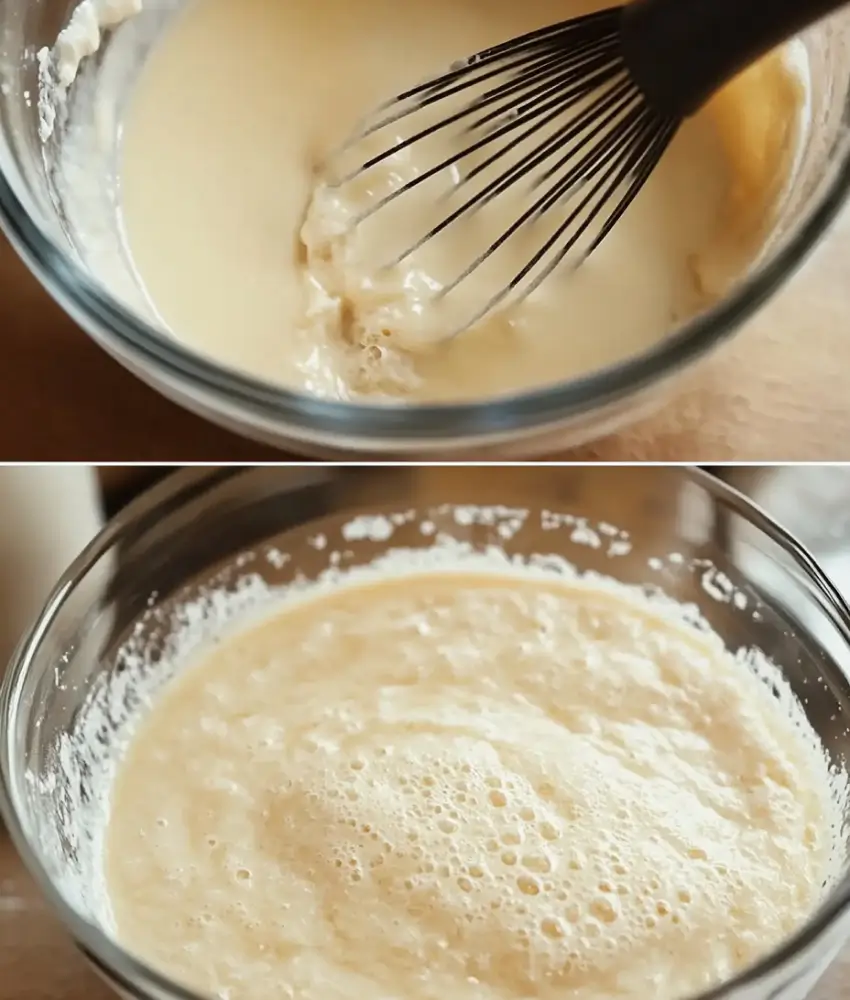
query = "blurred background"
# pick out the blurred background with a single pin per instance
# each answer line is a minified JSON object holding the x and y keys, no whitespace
{"x":51,"y":512}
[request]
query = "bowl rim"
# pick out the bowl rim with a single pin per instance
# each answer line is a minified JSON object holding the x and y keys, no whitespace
{"x":132,"y":974}
{"x":229,"y":395}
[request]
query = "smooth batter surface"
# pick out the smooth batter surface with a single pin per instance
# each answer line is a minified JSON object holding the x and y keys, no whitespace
{"x":470,"y":787}
{"x":245,"y":255}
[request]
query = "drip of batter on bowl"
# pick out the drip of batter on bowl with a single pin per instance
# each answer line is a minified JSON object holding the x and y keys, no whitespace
{"x":480,"y":784}
{"x":245,"y":254}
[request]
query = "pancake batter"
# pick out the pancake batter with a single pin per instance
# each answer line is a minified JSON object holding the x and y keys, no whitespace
{"x":467,"y":786}
{"x":240,"y":248}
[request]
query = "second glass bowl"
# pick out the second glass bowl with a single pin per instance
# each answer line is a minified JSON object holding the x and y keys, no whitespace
{"x":219,"y":531}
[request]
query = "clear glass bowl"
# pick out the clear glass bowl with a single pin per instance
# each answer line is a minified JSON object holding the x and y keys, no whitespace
{"x":39,"y":220}
{"x":672,"y":528}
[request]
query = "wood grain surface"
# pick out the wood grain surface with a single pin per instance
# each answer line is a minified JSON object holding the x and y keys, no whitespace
{"x":37,"y":959}
{"x":780,"y":391}
{"x":62,"y":399}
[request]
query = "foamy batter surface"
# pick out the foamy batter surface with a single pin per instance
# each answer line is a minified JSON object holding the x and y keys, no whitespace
{"x":245,"y":255}
{"x":470,"y":786}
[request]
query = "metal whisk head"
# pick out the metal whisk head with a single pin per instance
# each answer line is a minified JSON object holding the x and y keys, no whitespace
{"x":553,"y":116}
{"x":573,"y":118}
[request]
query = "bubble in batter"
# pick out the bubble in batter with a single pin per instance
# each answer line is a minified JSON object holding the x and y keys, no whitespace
{"x":466,"y":786}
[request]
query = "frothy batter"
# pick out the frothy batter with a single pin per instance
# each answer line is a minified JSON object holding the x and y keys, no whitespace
{"x":243,"y":251}
{"x":471,"y":786}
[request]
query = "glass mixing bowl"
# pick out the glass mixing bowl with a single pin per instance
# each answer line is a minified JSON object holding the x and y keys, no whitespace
{"x":97,"y":285}
{"x":667,"y":528}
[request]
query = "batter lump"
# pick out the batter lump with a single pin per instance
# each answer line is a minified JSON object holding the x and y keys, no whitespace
{"x":478,"y":786}
{"x":247,"y":255}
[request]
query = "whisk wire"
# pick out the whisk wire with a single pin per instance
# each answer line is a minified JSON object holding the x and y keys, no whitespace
{"x":602,"y":62}
{"x":608,"y":138}
{"x":566,"y":132}
{"x":607,"y":182}
{"x":530,"y":71}
{"x":555,"y":107}
{"x":615,"y":139}
{"x":628,"y":162}
{"x":549,"y":198}
{"x":597,"y":67}
{"x":557,"y":191}
{"x":607,"y":104}
{"x":640,"y":175}
{"x":441,"y":89}
{"x":585,"y":25}
{"x":625,"y":131}
{"x":581,"y":110}
{"x":441,"y":92}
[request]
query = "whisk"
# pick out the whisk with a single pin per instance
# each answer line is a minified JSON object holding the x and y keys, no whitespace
{"x":579,"y":112}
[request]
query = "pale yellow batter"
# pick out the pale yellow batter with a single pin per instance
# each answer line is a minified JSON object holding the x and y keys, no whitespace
{"x":223,"y":149}
{"x":466,"y":786}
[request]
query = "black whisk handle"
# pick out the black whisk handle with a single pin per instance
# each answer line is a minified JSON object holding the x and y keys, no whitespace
{"x":681,"y":51}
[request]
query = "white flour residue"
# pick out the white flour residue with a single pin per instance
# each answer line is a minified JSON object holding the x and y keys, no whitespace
{"x":85,"y":80}
{"x":58,"y":68}
{"x":374,"y":529}
{"x":83,"y":763}
{"x":171,"y":635}
{"x":614,"y":540}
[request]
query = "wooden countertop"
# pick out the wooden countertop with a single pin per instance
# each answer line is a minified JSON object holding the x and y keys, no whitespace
{"x":37,"y":959}
{"x":64,"y":399}
{"x":779,"y":391}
